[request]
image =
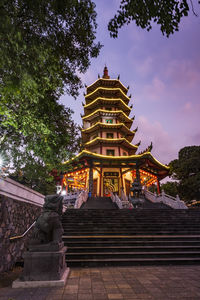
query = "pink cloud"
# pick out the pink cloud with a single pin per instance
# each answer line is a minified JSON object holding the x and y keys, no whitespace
{"x":155,"y":90}
{"x":144,"y":67}
{"x":184,"y":72}
{"x":164,"y":147}
{"x":187,"y":107}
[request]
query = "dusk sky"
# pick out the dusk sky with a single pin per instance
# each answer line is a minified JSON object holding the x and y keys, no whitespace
{"x":163,"y":75}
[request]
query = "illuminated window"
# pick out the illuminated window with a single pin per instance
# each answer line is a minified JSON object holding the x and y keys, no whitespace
{"x":110,"y":152}
{"x":109,"y":121}
{"x":109,"y":135}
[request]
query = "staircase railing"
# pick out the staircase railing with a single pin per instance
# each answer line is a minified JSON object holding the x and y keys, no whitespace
{"x":22,"y":235}
{"x":173,"y":202}
{"x":115,"y":199}
{"x":82,"y":198}
{"x":125,"y":200}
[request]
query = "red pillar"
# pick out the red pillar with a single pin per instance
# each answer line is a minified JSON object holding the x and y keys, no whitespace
{"x":100,"y":178}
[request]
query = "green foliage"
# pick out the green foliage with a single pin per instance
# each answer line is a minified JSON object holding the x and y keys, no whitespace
{"x":43,"y":46}
{"x":186,"y":169}
{"x":167,"y":14}
{"x":170,"y":188}
{"x":33,"y":156}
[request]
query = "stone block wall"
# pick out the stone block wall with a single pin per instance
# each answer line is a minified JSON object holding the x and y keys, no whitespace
{"x":16,"y":215}
{"x":15,"y":218}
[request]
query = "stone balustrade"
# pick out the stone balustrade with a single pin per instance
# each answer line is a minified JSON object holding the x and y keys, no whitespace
{"x":115,"y":199}
{"x":173,"y":202}
{"x":82,"y":198}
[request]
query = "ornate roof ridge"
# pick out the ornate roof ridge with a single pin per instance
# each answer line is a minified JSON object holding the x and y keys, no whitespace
{"x":148,"y":149}
{"x":136,"y":156}
{"x":110,"y":80}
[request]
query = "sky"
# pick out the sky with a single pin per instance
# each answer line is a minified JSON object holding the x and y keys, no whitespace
{"x":163,"y":75}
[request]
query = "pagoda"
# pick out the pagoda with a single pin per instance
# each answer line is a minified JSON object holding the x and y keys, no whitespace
{"x":109,"y":161}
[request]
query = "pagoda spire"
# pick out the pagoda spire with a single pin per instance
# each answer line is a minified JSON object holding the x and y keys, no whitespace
{"x":105,"y":73}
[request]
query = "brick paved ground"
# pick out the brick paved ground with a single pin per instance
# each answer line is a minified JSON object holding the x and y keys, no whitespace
{"x":159,"y":283}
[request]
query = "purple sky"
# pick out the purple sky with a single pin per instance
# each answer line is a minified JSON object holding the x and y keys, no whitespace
{"x":164,"y":79}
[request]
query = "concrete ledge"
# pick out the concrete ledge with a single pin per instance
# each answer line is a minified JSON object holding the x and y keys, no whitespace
{"x":20,"y":192}
{"x":34,"y":284}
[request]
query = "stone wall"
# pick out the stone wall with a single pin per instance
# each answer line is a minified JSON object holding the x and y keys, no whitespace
{"x":16,"y":215}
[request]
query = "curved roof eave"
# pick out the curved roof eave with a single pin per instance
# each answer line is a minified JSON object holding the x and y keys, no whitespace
{"x":148,"y":155}
{"x":107,"y":80}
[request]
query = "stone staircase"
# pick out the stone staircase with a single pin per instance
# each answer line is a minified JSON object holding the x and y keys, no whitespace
{"x":99,"y":203}
{"x":100,"y":237}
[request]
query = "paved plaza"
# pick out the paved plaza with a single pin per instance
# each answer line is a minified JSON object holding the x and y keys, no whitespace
{"x":140,"y":282}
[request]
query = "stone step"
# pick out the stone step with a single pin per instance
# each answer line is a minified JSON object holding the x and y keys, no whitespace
{"x":130,"y":243}
{"x":133,"y":233}
{"x":132,"y":261}
{"x":132,"y":254}
{"x":125,"y":249}
{"x":131,"y":237}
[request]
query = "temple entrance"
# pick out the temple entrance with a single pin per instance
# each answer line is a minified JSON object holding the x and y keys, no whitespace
{"x":110,"y":185}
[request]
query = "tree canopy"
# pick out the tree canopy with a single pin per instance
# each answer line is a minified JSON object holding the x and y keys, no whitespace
{"x":167,"y":14}
{"x":44,"y":45}
{"x":186,"y":169}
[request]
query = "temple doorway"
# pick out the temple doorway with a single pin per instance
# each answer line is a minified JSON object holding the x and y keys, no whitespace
{"x":110,"y":185}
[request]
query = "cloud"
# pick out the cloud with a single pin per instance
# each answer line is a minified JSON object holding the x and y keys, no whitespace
{"x":164,"y":148}
{"x":145,"y":67}
{"x":155,"y":90}
{"x":187,"y":107}
{"x":183,"y":72}
{"x":195,"y":139}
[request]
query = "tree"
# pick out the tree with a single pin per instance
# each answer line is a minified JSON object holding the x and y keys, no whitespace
{"x":186,"y":169}
{"x":167,"y":14}
{"x":32,"y":157}
{"x":43,"y":46}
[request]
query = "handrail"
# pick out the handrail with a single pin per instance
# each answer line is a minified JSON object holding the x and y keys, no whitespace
{"x":116,"y":200}
{"x":82,"y":197}
{"x":21,"y":236}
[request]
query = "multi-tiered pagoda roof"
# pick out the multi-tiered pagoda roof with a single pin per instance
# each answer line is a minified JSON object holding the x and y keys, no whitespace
{"x":109,"y":158}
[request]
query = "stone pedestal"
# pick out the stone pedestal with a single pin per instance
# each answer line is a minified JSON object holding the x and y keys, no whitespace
{"x":44,"y":265}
